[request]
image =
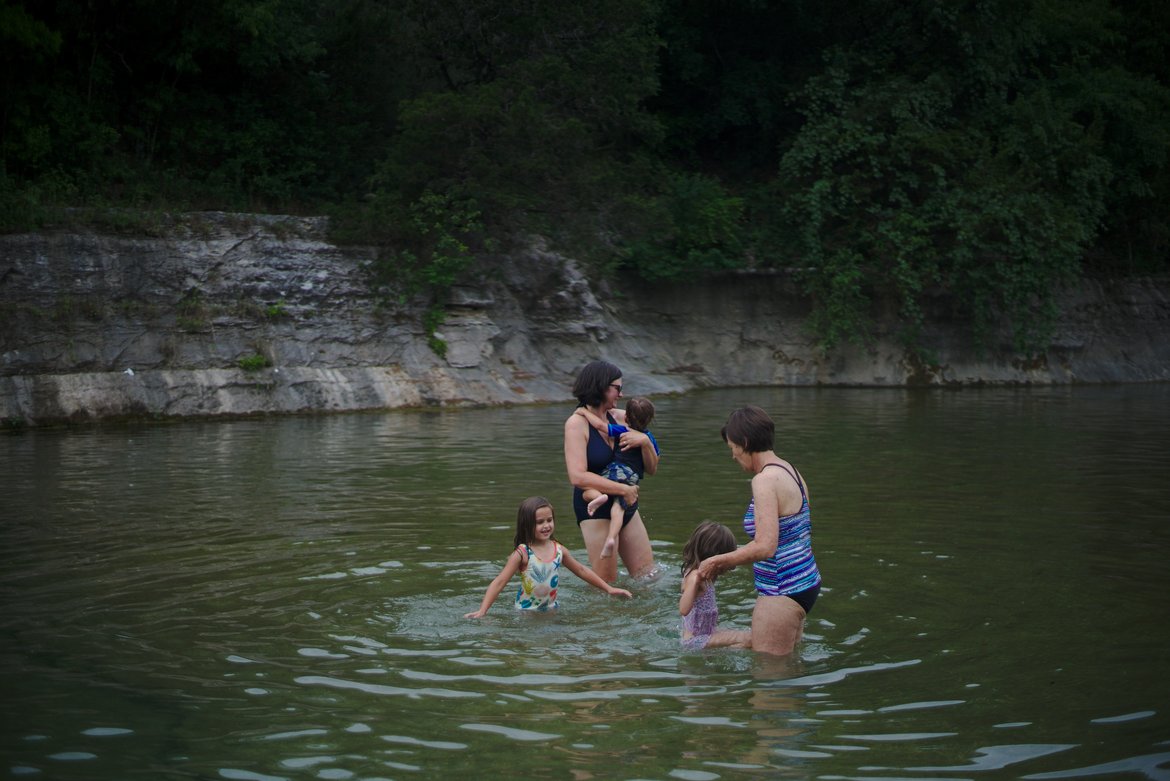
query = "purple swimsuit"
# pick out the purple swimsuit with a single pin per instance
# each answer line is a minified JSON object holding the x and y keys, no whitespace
{"x":699,"y":624}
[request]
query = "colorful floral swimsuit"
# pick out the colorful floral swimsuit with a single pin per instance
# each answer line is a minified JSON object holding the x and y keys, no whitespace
{"x":538,"y":581}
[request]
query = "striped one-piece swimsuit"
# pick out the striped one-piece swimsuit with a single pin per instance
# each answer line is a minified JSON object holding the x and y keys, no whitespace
{"x":792,"y":568}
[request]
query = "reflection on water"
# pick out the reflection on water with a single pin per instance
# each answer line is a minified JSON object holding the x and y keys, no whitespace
{"x":282,"y":599}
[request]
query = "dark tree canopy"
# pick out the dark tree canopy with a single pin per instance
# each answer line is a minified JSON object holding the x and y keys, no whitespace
{"x":985,"y":150}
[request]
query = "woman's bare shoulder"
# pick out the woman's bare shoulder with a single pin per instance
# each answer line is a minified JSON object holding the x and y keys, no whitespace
{"x":779,"y":479}
{"x":576,"y":424}
{"x":777,"y":482}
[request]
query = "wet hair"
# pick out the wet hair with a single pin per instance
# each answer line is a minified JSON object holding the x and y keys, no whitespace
{"x":526,"y":519}
{"x":593,"y":382}
{"x":639,"y":413}
{"x":707,"y":540}
{"x":750,"y":428}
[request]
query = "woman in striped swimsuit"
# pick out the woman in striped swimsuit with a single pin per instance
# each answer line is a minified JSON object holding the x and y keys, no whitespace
{"x":778,"y":521}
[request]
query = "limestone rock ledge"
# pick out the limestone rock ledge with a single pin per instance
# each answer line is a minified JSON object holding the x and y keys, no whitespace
{"x":244,"y":314}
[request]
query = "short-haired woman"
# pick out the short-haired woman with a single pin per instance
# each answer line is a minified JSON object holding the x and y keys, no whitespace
{"x":778,"y":521}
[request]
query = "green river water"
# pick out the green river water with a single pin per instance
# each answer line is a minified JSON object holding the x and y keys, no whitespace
{"x":282,"y":598}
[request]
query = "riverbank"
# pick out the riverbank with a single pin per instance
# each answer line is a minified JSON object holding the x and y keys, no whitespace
{"x":243,"y":314}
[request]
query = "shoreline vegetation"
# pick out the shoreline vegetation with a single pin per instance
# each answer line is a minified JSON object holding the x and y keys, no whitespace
{"x":991,"y":153}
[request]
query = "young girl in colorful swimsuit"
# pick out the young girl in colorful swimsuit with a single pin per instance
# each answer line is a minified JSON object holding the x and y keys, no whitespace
{"x":538,"y":557}
{"x":697,"y":604}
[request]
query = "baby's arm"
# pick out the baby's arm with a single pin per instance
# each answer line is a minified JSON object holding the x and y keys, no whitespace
{"x":690,"y":590}
{"x":592,"y":578}
{"x":641,"y":439}
{"x":511,"y":567}
{"x":596,"y":422}
{"x":650,"y":454}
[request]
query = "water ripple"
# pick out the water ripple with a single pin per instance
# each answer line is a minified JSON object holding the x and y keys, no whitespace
{"x":1149,"y":765}
{"x":444,"y":745}
{"x":373,"y":688}
{"x":999,"y":757}
{"x":512,"y":733}
{"x":218,"y":600}
{"x":839,"y":675}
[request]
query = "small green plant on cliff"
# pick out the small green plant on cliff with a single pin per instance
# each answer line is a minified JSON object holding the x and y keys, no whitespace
{"x":424,"y":247}
{"x":68,"y":308}
{"x":192,"y":313}
{"x":434,"y":318}
{"x":253,"y":363}
{"x":276,"y":311}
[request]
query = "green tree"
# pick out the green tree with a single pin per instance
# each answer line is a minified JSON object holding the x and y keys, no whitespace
{"x":529,"y":115}
{"x":980,"y":151}
{"x":958,"y":149}
{"x":226,"y":103}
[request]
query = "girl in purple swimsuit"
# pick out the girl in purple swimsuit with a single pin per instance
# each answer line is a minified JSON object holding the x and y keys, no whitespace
{"x":697,"y":604}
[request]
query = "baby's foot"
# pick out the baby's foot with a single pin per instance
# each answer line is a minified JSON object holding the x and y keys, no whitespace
{"x":607,"y":549}
{"x":596,"y":504}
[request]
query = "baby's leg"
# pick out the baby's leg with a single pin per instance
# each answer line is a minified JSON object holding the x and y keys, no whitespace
{"x":616,"y":517}
{"x":594,"y":500}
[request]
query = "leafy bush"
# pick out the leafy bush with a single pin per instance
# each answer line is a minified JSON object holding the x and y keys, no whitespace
{"x":253,"y":363}
{"x":693,"y":226}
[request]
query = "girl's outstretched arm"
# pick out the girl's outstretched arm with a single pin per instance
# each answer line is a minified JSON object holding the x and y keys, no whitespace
{"x":591,"y":577}
{"x":690,"y":590}
{"x":511,"y":566}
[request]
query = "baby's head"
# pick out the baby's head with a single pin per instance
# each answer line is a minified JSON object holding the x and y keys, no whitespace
{"x":707,"y":540}
{"x":639,"y":413}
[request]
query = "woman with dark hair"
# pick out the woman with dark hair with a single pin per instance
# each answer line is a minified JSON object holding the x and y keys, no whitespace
{"x":778,"y":521}
{"x":598,"y":387}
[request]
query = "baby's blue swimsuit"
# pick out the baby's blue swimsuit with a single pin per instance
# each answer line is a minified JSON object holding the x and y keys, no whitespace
{"x":598,"y":457}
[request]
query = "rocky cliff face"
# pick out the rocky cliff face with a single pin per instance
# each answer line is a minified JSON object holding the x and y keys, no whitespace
{"x":234,"y":314}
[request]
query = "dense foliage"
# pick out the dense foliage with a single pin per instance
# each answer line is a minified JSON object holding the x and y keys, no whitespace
{"x":986,"y":150}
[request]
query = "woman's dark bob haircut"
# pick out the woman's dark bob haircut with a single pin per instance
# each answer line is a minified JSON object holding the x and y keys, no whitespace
{"x":593,"y":381}
{"x":750,"y":428}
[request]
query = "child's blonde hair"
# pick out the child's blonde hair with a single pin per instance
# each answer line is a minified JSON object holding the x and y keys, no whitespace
{"x":639,"y":413}
{"x":707,"y":540}
{"x":526,"y":519}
